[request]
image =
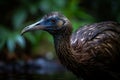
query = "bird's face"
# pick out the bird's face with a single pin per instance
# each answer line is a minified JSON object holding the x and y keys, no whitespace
{"x":52,"y":23}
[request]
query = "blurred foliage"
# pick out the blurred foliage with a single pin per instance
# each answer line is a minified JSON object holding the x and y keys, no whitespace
{"x":15,"y":15}
{"x":24,"y":12}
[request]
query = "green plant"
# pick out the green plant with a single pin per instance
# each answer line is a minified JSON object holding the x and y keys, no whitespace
{"x":26,"y":12}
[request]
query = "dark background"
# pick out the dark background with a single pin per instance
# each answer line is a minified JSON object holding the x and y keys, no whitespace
{"x":33,"y":56}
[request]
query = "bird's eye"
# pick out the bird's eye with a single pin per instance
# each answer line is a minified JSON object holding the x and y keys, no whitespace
{"x":53,"y":20}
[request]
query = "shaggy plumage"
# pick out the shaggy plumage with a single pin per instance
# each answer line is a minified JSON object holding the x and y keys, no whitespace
{"x":92,"y":52}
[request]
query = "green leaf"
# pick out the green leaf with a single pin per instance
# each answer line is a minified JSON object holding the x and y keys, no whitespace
{"x":85,"y":16}
{"x":11,"y":44}
{"x":33,"y":9}
{"x":2,"y":43}
{"x":31,"y":38}
{"x":20,"y":40}
{"x":18,"y":18}
{"x":4,"y":37}
{"x":60,"y":3}
{"x":45,"y":5}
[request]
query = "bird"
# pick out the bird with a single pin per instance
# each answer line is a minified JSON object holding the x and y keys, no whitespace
{"x":91,"y":53}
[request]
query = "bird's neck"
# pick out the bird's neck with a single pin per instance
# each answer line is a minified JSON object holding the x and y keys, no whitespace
{"x":63,"y":48}
{"x":65,"y":52}
{"x":62,"y":41}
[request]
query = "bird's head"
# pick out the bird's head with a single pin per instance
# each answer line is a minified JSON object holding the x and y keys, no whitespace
{"x":54,"y":23}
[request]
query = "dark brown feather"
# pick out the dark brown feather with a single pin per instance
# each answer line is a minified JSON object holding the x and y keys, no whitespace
{"x":92,"y":52}
{"x":98,"y":49}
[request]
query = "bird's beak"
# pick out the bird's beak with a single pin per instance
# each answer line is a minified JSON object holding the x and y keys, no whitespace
{"x":36,"y":26}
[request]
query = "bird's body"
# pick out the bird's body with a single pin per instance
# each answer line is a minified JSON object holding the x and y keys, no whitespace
{"x":96,"y":51}
{"x":92,"y":52}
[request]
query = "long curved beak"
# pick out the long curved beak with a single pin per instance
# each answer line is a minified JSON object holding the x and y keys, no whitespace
{"x":36,"y":26}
